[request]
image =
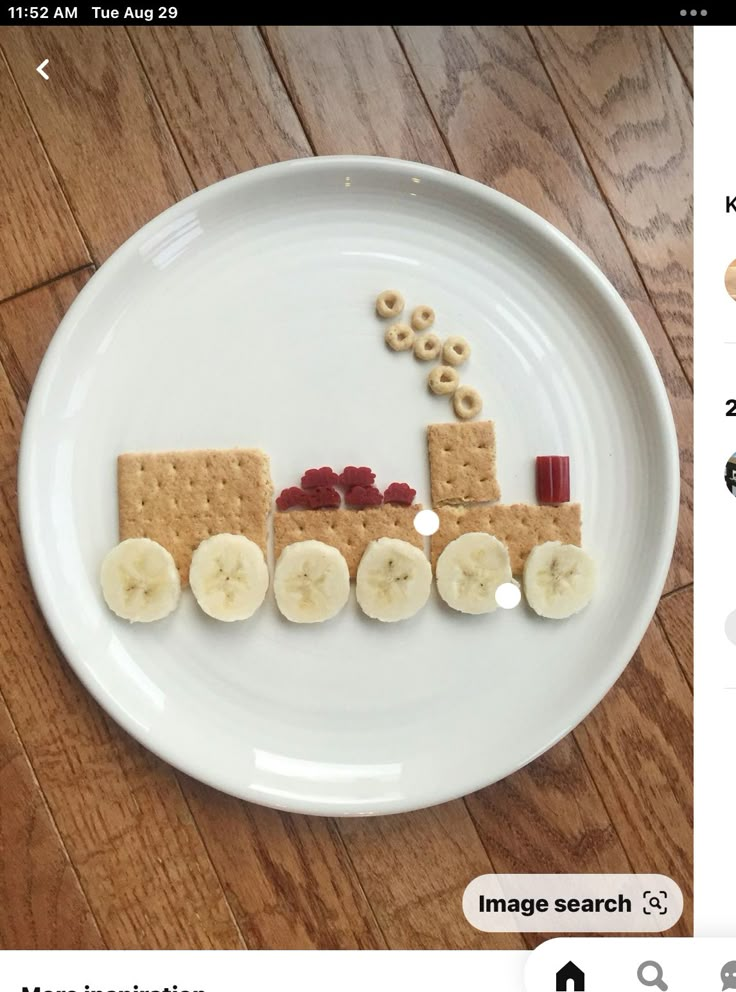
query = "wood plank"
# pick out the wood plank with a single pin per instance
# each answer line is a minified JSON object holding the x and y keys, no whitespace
{"x":224,"y":122}
{"x":548,"y":818}
{"x":680,"y":40}
{"x":632,"y":113}
{"x":43,"y":906}
{"x":638,"y":745}
{"x":355,"y":93}
{"x":119,"y":810}
{"x":289,"y":879}
{"x":22,"y":343}
{"x":414,"y":868}
{"x":675,"y":614}
{"x":40,"y":236}
{"x":483,"y":82}
{"x":107,"y":138}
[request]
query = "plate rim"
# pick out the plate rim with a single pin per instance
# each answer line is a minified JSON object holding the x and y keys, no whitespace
{"x":533,"y":223}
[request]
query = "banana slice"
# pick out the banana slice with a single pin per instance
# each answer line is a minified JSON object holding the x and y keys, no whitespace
{"x":140,"y":580}
{"x":393,"y":580}
{"x":229,"y":577}
{"x":469,"y":571}
{"x":311,"y":582}
{"x":559,"y":579}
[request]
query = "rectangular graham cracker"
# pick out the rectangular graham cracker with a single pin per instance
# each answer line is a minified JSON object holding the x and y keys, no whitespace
{"x":350,"y":531}
{"x":179,"y":498}
{"x":520,"y":526}
{"x":462,"y":462}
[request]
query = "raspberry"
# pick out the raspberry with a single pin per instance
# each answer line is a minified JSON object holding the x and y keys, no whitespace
{"x":399,"y":492}
{"x":323,"y":496}
{"x":315,"y":477}
{"x":293,"y":496}
{"x":352,"y":476}
{"x":363,"y":496}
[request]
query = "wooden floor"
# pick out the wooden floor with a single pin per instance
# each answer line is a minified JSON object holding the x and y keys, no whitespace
{"x":102,"y":844}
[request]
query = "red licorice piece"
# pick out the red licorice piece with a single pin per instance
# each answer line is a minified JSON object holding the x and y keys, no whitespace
{"x":315,"y":477}
{"x":322,"y":497}
{"x":399,"y":492}
{"x":293,"y":496}
{"x":363,"y":496}
{"x":553,"y":479}
{"x":352,"y":476}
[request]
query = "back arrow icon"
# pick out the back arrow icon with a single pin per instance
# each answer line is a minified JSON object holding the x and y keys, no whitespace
{"x":40,"y":68}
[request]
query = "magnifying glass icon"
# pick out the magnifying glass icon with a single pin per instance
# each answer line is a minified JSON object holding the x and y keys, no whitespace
{"x":655,"y":979}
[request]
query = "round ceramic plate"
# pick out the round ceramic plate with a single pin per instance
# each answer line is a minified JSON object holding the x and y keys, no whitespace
{"x":243,"y":316}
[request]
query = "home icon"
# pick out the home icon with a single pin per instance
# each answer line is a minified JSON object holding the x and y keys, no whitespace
{"x":570,"y":979}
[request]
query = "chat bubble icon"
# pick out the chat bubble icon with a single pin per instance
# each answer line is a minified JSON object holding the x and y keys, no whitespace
{"x":728,"y":975}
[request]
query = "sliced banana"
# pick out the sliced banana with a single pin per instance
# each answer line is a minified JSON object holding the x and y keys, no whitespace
{"x":393,"y":580}
{"x":311,"y":582}
{"x":140,"y":581}
{"x":559,"y":579}
{"x":229,"y":577}
{"x":469,"y":571}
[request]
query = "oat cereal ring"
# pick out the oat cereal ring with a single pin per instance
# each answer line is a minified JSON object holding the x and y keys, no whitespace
{"x":455,"y":351}
{"x":422,"y":318}
{"x":467,"y":402}
{"x":399,"y":337}
{"x":427,"y":347}
{"x":443,"y":380}
{"x":390,"y":303}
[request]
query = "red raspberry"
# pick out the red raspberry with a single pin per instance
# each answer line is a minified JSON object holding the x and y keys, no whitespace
{"x":363,"y":496}
{"x":293,"y":496}
{"x":399,"y":492}
{"x":352,"y":476}
{"x":323,"y":496}
{"x":315,"y":477}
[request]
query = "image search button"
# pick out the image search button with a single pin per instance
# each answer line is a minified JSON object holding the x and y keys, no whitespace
{"x":650,"y":974}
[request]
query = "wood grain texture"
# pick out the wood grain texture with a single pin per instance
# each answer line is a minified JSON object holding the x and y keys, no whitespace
{"x":23,"y":342}
{"x":414,"y":868}
{"x":632,"y":114}
{"x":106,"y":137}
{"x":355,"y":93}
{"x":680,"y":40}
{"x":39,"y":234}
{"x":638,"y":745}
{"x":288,"y":878}
{"x":227,"y":121}
{"x":119,"y":810}
{"x":489,"y":81}
{"x":675,"y":613}
{"x":43,"y":906}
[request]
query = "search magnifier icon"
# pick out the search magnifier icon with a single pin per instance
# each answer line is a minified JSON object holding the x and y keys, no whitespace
{"x":654,"y":977}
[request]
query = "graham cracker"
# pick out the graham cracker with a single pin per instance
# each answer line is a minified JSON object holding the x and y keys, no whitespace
{"x":179,"y":498}
{"x":350,"y":531}
{"x":462,"y":462}
{"x":521,"y":526}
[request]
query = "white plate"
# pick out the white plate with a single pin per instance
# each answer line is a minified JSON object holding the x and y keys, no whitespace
{"x":244,"y":316}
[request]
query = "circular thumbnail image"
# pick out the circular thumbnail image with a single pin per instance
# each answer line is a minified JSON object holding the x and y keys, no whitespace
{"x":730,"y":280}
{"x":730,"y":474}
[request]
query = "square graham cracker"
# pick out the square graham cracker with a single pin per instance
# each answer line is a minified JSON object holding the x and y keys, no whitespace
{"x":462,"y":462}
{"x":179,"y":498}
{"x":350,"y":531}
{"x":520,"y":526}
